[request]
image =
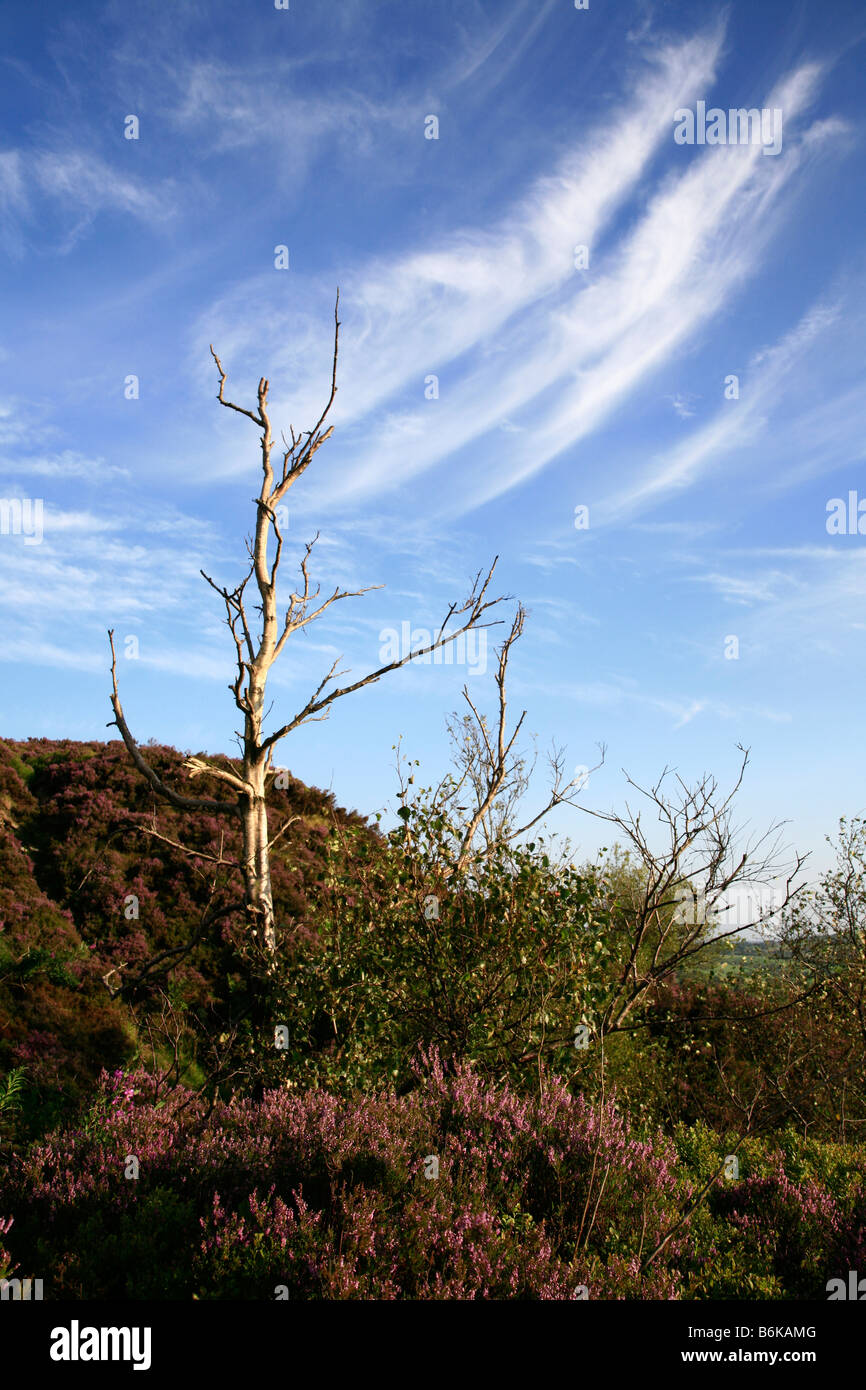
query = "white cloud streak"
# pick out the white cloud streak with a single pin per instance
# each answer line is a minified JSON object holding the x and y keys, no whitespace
{"x":519,"y":334}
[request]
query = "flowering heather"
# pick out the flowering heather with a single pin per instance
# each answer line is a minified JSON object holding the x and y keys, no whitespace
{"x":313,"y":1196}
{"x":6,"y":1265}
{"x":329,"y":1198}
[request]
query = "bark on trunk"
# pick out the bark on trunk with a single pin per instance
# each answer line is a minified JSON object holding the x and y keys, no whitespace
{"x":256,"y":856}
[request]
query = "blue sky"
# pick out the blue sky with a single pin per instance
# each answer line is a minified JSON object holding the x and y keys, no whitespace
{"x":565,"y":379}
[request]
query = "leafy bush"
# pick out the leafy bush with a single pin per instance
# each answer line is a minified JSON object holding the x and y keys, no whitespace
{"x":793,"y":1217}
{"x":497,"y":967}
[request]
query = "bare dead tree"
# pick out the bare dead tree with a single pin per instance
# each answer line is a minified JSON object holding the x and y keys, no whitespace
{"x":256,"y":656}
{"x":701,"y":852}
{"x":493,"y":775}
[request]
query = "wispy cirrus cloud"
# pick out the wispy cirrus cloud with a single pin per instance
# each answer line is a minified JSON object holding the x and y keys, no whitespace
{"x":237,"y":108}
{"x":79,"y":185}
{"x":783,"y":602}
{"x":487,"y":60}
{"x":68,"y":464}
{"x":738,"y":589}
{"x":737,"y":424}
{"x":522,"y":335}
{"x":408,"y":317}
{"x":679,"y":709}
{"x":682,"y":404}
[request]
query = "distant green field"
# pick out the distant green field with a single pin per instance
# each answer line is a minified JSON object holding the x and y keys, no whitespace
{"x":728,"y":960}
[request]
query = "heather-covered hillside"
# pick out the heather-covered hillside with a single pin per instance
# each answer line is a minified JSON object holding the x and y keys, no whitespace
{"x":84,"y":892}
{"x":514,"y":1082}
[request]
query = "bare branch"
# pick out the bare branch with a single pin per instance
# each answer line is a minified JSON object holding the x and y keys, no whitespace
{"x":476,"y":605}
{"x":230,"y":405}
{"x":185,"y":849}
{"x":182,"y":803}
{"x":199,"y":767}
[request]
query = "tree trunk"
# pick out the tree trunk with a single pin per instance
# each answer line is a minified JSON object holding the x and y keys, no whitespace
{"x":256,"y":856}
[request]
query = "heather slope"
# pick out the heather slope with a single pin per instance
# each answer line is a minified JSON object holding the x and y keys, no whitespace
{"x":84,"y":891}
